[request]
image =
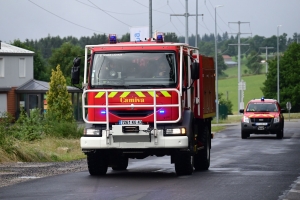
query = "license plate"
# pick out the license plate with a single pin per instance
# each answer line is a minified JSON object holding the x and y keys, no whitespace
{"x":129,"y":122}
{"x":261,"y":124}
{"x":261,"y":128}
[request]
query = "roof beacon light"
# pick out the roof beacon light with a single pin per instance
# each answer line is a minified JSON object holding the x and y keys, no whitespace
{"x":159,"y":37}
{"x":262,"y":99}
{"x":112,"y":38}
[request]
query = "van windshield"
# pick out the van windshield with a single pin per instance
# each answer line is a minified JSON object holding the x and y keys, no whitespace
{"x":262,"y":107}
{"x":133,"y":69}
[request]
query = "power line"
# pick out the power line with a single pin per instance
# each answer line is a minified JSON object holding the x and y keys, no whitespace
{"x":186,"y":15}
{"x":109,"y":14}
{"x":65,"y":19}
{"x":112,"y":11}
{"x":219,"y":17}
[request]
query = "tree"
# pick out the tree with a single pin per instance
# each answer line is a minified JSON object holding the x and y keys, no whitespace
{"x":125,"y":38}
{"x":58,"y":98}
{"x":64,"y":57}
{"x":225,"y":102}
{"x":254,"y":63}
{"x":171,"y":37}
{"x":221,"y":66}
{"x":39,"y":68}
{"x":289,"y":78}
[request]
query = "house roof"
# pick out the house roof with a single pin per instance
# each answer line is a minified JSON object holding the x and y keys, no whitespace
{"x":10,"y":49}
{"x":36,"y":86}
{"x":226,"y":57}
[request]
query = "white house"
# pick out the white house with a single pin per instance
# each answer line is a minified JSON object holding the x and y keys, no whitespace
{"x":16,"y":68}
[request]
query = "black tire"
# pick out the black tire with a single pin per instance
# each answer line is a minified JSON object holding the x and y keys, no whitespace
{"x":279,"y":134}
{"x":202,"y":158}
{"x":244,"y":135}
{"x":121,"y":163}
{"x":97,"y":164}
{"x":183,"y":164}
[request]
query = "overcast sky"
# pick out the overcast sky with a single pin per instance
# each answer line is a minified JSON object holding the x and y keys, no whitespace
{"x":36,"y":19}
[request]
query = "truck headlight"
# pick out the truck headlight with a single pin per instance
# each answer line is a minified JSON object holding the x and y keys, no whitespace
{"x":246,"y":119}
{"x":276,"y":119}
{"x":90,"y":131}
{"x":176,"y":131}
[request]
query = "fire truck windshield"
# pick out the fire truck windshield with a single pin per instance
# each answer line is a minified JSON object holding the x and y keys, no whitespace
{"x":133,"y":68}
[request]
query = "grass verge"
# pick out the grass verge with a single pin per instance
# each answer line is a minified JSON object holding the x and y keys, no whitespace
{"x":48,"y":149}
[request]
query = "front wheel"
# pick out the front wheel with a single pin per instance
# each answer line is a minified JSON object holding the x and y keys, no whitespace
{"x":97,"y":164}
{"x":183,"y":164}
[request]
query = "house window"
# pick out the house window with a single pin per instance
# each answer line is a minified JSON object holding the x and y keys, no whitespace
{"x":22,"y":67}
{"x":1,"y":67}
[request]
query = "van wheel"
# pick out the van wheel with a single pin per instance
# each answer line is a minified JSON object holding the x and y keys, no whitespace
{"x":244,"y":135}
{"x":279,"y":134}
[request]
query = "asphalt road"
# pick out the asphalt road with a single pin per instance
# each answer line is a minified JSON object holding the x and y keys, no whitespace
{"x":258,"y":168}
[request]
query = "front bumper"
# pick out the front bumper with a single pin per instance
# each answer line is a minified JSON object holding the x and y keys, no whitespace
{"x":261,"y":128}
{"x":117,"y":139}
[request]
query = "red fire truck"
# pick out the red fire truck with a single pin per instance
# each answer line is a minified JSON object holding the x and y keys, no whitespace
{"x":146,"y":98}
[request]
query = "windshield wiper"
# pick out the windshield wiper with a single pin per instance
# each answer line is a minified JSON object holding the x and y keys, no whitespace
{"x":110,"y":86}
{"x":145,"y":86}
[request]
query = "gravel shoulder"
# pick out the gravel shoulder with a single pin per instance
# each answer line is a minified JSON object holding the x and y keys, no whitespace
{"x":12,"y":173}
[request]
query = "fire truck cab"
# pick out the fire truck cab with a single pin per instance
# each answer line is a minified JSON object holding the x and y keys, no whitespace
{"x":146,"y":98}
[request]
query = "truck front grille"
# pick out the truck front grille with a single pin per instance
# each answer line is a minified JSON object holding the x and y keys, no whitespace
{"x":132,"y":113}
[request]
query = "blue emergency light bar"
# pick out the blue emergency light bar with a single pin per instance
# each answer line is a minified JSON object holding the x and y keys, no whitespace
{"x":159,"y":37}
{"x":112,"y":38}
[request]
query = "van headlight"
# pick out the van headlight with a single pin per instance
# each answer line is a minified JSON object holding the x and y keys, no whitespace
{"x":246,"y":119}
{"x":276,"y":119}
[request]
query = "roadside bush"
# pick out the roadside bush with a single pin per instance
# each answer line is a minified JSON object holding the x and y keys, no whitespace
{"x":6,"y":131}
{"x":61,"y":129}
{"x":29,"y":127}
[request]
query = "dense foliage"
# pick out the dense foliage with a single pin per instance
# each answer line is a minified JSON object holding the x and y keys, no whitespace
{"x":58,"y":98}
{"x":289,"y":79}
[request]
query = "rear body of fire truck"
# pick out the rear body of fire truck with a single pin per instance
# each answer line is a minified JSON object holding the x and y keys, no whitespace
{"x":131,"y":112}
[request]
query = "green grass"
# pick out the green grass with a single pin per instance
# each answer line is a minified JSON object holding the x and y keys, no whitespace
{"x":229,"y":86}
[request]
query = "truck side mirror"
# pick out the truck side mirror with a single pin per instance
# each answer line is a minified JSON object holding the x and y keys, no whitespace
{"x":76,"y":62}
{"x":75,"y":71}
{"x":195,"y":71}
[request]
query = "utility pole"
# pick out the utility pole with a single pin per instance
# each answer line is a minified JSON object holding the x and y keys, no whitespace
{"x":216,"y":63}
{"x":278,"y":92}
{"x":150,"y":18}
{"x":186,"y":15}
{"x":266,"y":56}
{"x":240,"y":105}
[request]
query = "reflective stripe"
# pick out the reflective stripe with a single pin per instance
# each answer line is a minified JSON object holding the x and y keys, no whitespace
{"x":112,"y":94}
{"x":99,"y":95}
{"x":125,"y":94}
{"x":140,"y":94}
{"x":152,"y":94}
{"x":165,"y":93}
